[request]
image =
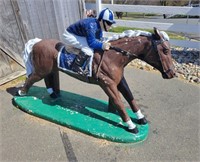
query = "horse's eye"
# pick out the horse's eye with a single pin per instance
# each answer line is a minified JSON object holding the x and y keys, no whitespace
{"x":165,"y":51}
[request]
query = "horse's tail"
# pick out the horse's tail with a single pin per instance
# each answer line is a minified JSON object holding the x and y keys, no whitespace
{"x":27,"y":55}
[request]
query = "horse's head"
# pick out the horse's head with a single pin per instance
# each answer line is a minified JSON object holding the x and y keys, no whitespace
{"x":160,"y":54}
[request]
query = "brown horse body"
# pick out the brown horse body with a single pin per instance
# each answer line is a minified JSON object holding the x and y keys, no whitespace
{"x":107,"y":68}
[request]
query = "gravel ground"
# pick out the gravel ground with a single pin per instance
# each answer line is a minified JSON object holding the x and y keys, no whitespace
{"x":186,"y":61}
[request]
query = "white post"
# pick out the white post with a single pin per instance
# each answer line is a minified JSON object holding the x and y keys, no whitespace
{"x":98,"y":6}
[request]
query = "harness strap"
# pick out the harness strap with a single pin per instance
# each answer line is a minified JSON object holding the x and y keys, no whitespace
{"x":123,"y":52}
{"x":97,"y":73}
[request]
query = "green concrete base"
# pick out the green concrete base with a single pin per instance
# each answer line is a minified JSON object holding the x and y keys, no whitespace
{"x":81,"y":113}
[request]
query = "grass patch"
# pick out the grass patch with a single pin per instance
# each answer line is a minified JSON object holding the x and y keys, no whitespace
{"x":14,"y":82}
{"x":132,"y":15}
{"x":21,"y":78}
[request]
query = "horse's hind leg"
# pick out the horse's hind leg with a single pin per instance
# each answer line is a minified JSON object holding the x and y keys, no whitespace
{"x":28,"y":83}
{"x":56,"y":81}
{"x":52,"y":84}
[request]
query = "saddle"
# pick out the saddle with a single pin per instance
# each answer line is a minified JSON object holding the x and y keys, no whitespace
{"x":66,"y":59}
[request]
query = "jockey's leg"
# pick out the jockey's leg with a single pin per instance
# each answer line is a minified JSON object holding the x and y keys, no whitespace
{"x":126,"y":92}
{"x":78,"y":43}
{"x":79,"y":62}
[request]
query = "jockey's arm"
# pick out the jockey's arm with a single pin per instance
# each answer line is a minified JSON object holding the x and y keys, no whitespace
{"x":95,"y":43}
{"x":92,"y":41}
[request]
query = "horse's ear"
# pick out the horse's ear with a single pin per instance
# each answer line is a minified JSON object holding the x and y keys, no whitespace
{"x":157,"y":33}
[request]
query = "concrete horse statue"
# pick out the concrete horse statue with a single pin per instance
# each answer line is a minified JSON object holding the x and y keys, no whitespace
{"x":107,"y":68}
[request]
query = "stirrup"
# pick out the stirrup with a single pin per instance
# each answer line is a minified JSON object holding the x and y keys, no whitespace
{"x":79,"y":62}
{"x":77,"y":69}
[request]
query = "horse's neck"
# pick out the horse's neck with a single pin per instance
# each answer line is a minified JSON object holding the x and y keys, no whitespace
{"x":134,"y":45}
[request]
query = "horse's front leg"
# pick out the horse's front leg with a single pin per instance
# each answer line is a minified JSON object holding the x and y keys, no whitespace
{"x":126,"y":92}
{"x":114,"y":95}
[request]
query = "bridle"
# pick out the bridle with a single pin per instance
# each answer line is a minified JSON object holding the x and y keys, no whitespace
{"x":155,"y":44}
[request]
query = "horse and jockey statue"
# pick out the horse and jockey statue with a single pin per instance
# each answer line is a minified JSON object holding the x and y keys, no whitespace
{"x":86,"y":56}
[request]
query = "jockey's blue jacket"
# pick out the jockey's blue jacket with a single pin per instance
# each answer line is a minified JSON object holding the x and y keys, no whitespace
{"x":89,"y":28}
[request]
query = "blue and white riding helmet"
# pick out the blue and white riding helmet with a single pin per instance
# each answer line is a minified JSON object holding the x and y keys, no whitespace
{"x":107,"y":16}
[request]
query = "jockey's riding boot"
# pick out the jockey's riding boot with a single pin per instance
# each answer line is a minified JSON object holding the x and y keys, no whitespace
{"x":78,"y":63}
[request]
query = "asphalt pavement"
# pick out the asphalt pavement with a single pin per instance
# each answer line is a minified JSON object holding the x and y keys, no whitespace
{"x":172,"y":108}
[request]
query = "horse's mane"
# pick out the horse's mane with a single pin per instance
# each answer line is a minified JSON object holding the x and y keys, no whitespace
{"x":132,"y":33}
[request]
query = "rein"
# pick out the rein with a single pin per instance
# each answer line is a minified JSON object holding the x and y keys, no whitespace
{"x":123,"y":52}
{"x":97,"y":73}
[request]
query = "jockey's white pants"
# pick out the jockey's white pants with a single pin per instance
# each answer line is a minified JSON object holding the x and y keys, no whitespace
{"x":72,"y":40}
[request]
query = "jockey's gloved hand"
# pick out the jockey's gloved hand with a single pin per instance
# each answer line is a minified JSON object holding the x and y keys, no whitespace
{"x":106,"y":46}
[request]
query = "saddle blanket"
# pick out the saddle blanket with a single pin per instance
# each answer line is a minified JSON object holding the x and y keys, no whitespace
{"x":65,"y":61}
{"x":27,"y":58}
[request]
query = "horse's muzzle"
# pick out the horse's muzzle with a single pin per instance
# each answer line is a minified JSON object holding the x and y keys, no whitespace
{"x":171,"y":73}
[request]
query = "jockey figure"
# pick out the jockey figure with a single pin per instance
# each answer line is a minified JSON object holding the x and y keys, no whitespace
{"x":86,"y":35}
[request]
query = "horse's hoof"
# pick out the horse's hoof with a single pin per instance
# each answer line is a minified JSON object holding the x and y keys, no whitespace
{"x":54,"y":95}
{"x":20,"y":93}
{"x":134,"y":131}
{"x":142,"y":121}
{"x":17,"y":93}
